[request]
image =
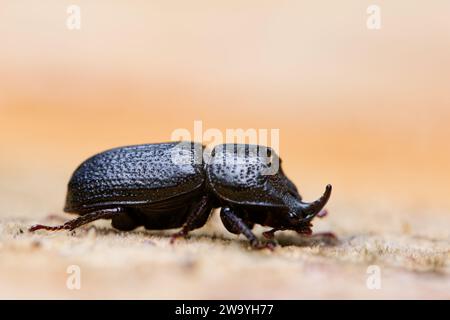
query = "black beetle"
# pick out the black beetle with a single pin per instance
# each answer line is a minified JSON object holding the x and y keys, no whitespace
{"x":164,"y":186}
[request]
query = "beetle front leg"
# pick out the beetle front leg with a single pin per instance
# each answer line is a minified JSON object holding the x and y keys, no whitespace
{"x":236,"y":225}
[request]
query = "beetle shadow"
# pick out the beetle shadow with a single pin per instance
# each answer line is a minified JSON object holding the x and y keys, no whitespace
{"x":108,"y":230}
{"x":282,"y":239}
{"x":318,"y":239}
{"x":163,"y":234}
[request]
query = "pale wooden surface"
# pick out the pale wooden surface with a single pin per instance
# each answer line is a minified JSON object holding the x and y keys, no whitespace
{"x":412,"y":252}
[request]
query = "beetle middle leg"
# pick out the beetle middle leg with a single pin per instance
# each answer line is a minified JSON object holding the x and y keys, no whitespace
{"x":82,"y":220}
{"x":236,"y":225}
{"x":196,"y":218}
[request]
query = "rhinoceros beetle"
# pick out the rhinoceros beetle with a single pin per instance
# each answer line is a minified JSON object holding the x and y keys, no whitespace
{"x":165,"y":186}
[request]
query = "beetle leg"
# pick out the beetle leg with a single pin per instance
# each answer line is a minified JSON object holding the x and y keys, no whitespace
{"x":270,"y":234}
{"x":236,"y":225}
{"x":230,"y":225}
{"x":81,"y":220}
{"x":196,"y":218}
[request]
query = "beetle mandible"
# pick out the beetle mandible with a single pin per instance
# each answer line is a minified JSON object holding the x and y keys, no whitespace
{"x":147,"y":185}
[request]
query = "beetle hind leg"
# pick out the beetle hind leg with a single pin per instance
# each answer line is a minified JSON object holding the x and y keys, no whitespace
{"x":81,"y":220}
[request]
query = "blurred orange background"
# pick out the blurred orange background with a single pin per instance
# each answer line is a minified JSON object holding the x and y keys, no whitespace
{"x":365,"y":110}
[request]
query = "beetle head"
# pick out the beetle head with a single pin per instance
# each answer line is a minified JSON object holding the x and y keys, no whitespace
{"x":301,"y":213}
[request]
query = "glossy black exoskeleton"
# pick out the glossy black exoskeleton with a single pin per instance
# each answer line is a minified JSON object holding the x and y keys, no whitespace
{"x":171,"y":185}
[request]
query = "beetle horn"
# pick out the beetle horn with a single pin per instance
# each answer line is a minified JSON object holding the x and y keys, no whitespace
{"x":310,"y":210}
